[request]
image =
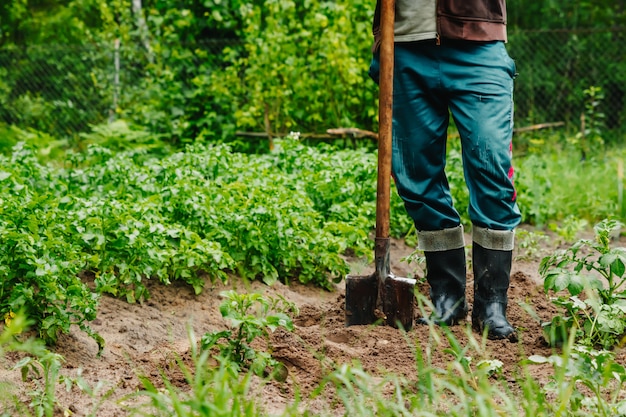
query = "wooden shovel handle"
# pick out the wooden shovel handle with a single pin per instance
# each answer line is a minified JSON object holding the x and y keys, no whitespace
{"x":385,"y":117}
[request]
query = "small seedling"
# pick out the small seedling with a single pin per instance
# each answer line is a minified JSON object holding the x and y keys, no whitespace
{"x":569,"y":229}
{"x":529,"y":244}
{"x":43,"y":371}
{"x":417,"y":257}
{"x":250,"y":316}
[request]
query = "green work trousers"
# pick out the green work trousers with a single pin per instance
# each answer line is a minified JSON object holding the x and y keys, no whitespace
{"x":472,"y":82}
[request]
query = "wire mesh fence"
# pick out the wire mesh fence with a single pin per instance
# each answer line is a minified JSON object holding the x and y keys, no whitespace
{"x":54,"y":89}
{"x":557,"y":67}
{"x":64,"y":90}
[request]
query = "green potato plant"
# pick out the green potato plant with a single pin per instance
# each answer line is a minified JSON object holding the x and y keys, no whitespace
{"x":597,"y":371}
{"x":588,"y":280}
{"x":250,"y":316}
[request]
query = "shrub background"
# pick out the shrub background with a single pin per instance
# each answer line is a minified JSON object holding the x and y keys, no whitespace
{"x":204,"y":70}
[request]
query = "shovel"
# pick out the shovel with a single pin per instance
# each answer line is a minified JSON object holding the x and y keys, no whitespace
{"x":382,"y":297}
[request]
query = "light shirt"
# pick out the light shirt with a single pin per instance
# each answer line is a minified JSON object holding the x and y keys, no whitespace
{"x":416,"y":20}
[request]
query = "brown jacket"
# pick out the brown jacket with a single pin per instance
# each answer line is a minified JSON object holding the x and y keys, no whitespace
{"x":472,"y":20}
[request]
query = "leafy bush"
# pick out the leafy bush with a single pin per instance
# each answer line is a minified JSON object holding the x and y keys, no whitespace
{"x":196,"y":215}
{"x":210,"y":200}
{"x":39,"y":261}
{"x":304,"y":67}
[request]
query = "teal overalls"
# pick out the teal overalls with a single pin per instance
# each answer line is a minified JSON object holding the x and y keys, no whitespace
{"x":472,"y":81}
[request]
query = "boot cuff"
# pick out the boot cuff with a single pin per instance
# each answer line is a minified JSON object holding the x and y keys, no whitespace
{"x":441,"y":240}
{"x":494,"y":239}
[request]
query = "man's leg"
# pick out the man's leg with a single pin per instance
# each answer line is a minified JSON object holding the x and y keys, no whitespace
{"x":492,"y":254}
{"x":446,"y":274}
{"x":420,"y":123}
{"x":480,"y":78}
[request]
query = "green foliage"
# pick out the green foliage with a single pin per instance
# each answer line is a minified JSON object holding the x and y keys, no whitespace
{"x":553,"y":185}
{"x":38,"y":367}
{"x":209,"y":199}
{"x":589,"y":140}
{"x":44,"y":373}
{"x":362,"y":395}
{"x":46,"y":147}
{"x":569,"y":229}
{"x":284,"y":82}
{"x":597,"y":371}
{"x":58,"y":90}
{"x":529,"y":244}
{"x":191,"y":216}
{"x":201,"y":214}
{"x":256,"y":72}
{"x":120,"y":136}
{"x":251,"y":316}
{"x":211,"y":391}
{"x":597,"y":270}
{"x":39,"y":265}
{"x":202,"y":70}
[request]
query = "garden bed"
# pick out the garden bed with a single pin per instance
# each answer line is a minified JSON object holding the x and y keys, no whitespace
{"x":147,"y":339}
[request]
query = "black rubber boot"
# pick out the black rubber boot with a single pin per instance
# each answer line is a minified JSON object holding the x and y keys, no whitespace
{"x":445,"y":272}
{"x":492,"y":269}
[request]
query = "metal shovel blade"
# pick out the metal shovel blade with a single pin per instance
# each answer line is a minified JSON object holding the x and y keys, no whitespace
{"x":398,"y":301}
{"x":381,"y":297}
{"x":361,"y":296}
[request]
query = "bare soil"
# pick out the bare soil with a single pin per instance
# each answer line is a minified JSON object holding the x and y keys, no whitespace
{"x":147,"y":338}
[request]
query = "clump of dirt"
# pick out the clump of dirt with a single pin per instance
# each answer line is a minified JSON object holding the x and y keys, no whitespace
{"x":147,"y":338}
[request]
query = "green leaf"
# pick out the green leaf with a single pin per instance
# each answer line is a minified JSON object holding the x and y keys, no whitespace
{"x":607,"y":259}
{"x":617,"y":267}
{"x":611,"y":320}
{"x":576,"y":284}
{"x":557,"y":280}
{"x":279,"y":320}
{"x":209,"y":340}
{"x":538,"y":359}
{"x":578,"y":304}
